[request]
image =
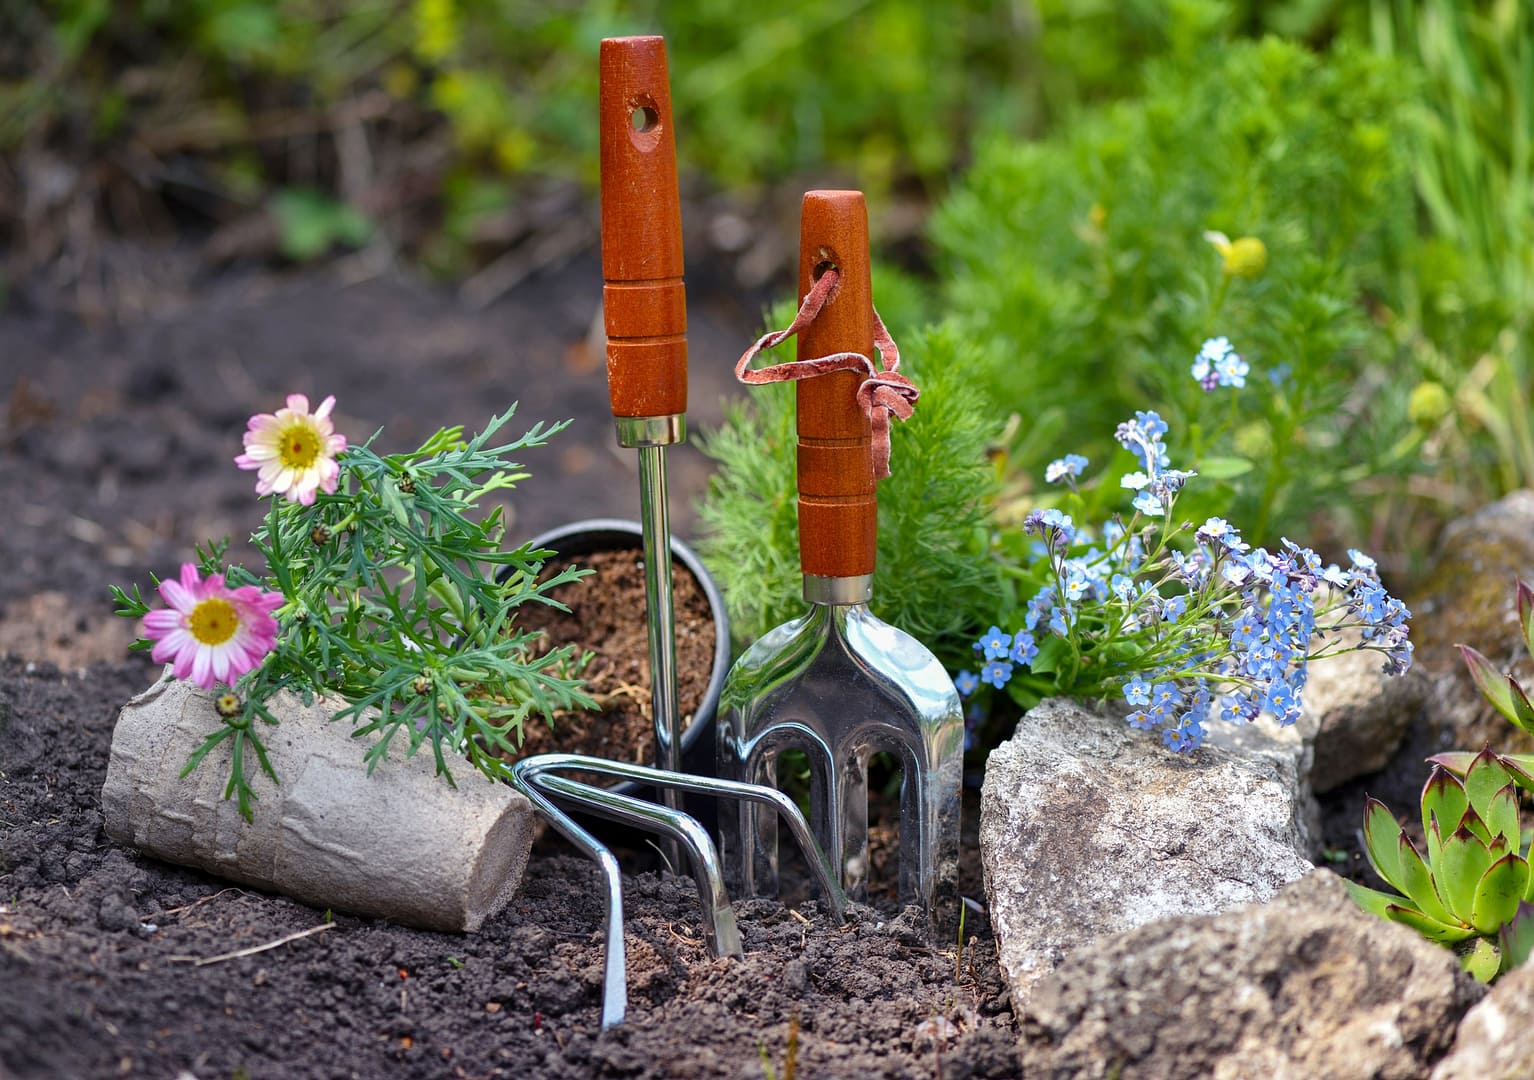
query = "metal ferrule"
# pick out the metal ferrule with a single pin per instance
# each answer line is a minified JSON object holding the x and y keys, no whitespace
{"x":858,"y":589}
{"x":651,"y":430}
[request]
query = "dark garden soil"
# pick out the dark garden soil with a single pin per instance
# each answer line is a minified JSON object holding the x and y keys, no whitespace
{"x":606,"y":619}
{"x":115,"y":448}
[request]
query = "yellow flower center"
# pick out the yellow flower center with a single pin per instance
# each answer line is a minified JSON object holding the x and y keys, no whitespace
{"x":213,"y":621}
{"x":298,"y":446}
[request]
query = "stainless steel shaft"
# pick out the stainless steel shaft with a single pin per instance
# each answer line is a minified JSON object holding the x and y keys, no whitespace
{"x":655,"y":520}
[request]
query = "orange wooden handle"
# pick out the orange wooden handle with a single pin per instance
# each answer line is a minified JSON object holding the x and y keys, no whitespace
{"x":644,"y":302}
{"x":838,"y":510}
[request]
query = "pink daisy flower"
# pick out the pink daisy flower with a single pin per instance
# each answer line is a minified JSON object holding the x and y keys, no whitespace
{"x":294,"y":449}
{"x":210,"y":633}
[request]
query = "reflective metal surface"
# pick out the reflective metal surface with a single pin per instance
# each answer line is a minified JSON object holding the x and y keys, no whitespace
{"x":615,"y":963}
{"x":650,"y":430}
{"x":838,"y":590}
{"x":720,"y":933}
{"x":841,"y":685}
{"x":660,"y":618}
{"x":534,"y":778}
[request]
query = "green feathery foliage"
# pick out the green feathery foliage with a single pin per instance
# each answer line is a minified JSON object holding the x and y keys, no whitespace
{"x":1090,"y":266}
{"x":933,"y":577}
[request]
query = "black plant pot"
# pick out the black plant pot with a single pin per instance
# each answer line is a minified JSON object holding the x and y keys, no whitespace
{"x":616,"y":534}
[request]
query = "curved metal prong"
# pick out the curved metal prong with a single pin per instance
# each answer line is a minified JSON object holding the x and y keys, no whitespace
{"x":820,"y":865}
{"x":719,"y":929}
{"x":615,"y":962}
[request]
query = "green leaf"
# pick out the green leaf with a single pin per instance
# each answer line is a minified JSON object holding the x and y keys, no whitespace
{"x":1476,"y":826}
{"x":1523,"y":709}
{"x":1054,"y":650}
{"x":1517,"y":936}
{"x":242,"y":30}
{"x":1382,"y":834}
{"x":1502,"y":816}
{"x":1522,"y":768}
{"x":1483,"y":780}
{"x":1526,"y":613}
{"x":1224,"y":468}
{"x":1499,"y":892}
{"x":1465,"y":859}
{"x":1417,"y":882}
{"x":1482,"y":960}
{"x":310,"y":223}
{"x":1434,"y":844}
{"x":1455,"y":761}
{"x":1429,"y":928}
{"x":1443,"y":799}
{"x":1491,"y":681}
{"x":1372,"y":900}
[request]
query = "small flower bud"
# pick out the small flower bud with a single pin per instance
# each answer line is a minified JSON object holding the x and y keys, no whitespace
{"x":422,"y":684}
{"x":227,"y":705}
{"x":320,"y":535}
{"x":406,"y":484}
{"x":1245,"y":256}
{"x":1429,"y":403}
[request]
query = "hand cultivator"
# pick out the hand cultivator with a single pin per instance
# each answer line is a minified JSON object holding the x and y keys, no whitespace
{"x":538,"y":778}
{"x":838,"y":683}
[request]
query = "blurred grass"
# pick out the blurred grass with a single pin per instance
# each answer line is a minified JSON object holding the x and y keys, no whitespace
{"x":1401,"y":239}
{"x":440,"y":120}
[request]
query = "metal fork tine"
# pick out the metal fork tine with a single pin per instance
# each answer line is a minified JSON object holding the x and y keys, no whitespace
{"x":615,"y":963}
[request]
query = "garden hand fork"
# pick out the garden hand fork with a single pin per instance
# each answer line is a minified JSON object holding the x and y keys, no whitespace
{"x":645,"y":309}
{"x":838,"y":683}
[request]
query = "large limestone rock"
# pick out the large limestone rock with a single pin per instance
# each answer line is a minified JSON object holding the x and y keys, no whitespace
{"x":1307,"y":987}
{"x":1496,"y":1038}
{"x":402,"y":844}
{"x":1088,"y":828}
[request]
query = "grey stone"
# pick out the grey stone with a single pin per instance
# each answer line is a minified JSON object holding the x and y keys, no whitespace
{"x":401,"y":844}
{"x":1468,"y":597}
{"x":1088,"y":828}
{"x":1357,"y":715}
{"x":1496,"y":1038}
{"x":1307,"y":987}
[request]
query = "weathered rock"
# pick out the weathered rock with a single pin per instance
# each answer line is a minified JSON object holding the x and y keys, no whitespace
{"x":401,"y":844}
{"x":1496,"y":1038}
{"x":1469,"y":598}
{"x":1357,"y":715}
{"x":1089,"y":828}
{"x":1307,"y":987}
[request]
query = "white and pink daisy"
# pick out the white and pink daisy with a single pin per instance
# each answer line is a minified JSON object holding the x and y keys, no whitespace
{"x":294,"y":449}
{"x":211,"y":633}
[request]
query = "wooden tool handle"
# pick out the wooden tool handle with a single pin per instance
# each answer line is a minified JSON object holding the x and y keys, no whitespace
{"x":838,"y":510}
{"x":644,"y":302}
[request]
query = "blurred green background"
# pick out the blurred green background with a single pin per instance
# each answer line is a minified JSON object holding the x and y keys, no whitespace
{"x":1072,"y":195}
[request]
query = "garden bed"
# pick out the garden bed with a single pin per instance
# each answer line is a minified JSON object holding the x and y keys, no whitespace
{"x":100,"y":947}
{"x":110,"y":962}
